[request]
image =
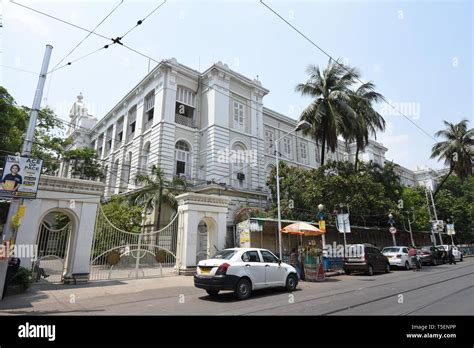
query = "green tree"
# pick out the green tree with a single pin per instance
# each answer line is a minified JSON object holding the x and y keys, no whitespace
{"x":330,"y":113}
{"x":456,"y":150}
{"x":48,"y":144}
{"x":83,"y":163}
{"x":156,"y":191}
{"x":369,"y":121}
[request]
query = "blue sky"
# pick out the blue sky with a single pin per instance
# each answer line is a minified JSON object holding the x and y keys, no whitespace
{"x":418,"y":53}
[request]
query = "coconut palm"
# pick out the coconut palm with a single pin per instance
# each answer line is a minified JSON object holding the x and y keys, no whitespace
{"x":330,"y":113}
{"x":456,"y":150}
{"x":156,"y":191}
{"x":369,"y":121}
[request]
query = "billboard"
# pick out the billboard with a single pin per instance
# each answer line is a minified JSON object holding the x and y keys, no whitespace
{"x":20,"y":177}
{"x":243,"y":234}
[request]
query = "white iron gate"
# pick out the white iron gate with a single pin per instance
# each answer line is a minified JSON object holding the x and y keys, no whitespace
{"x":52,"y":253}
{"x":119,"y":254}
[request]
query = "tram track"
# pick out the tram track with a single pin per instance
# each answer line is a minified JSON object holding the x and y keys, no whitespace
{"x":325,"y":296}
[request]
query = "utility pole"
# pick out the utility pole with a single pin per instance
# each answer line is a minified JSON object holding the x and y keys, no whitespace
{"x":26,"y":151}
{"x":436,"y":216}
{"x":429,"y":212}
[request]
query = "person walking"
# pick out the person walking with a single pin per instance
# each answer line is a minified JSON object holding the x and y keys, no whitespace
{"x":413,"y":259}
{"x":451,"y":257}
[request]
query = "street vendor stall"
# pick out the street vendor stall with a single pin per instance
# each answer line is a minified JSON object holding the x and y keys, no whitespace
{"x":312,"y":256}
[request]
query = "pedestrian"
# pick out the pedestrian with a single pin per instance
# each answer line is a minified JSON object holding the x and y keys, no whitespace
{"x":413,"y":259}
{"x":294,"y":262}
{"x":451,"y":257}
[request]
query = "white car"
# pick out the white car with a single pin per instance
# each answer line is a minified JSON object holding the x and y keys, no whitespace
{"x":243,"y":270}
{"x":456,"y":252}
{"x":398,"y":256}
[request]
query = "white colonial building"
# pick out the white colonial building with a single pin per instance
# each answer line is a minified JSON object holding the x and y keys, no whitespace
{"x":209,"y":127}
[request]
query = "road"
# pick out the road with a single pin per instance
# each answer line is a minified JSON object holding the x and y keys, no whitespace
{"x":440,"y":290}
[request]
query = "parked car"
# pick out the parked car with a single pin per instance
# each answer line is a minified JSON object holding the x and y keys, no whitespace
{"x":243,"y":270}
{"x":444,"y":254}
{"x":456,"y":252}
{"x":398,"y":256}
{"x":431,"y":255}
{"x":365,"y":257}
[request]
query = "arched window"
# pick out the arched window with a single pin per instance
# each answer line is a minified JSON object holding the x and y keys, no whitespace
{"x":126,"y":166}
{"x":239,"y":165}
{"x":182,"y":159}
{"x":114,"y":179}
{"x":146,"y":156}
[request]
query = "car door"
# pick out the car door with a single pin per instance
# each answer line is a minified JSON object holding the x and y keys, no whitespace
{"x":405,"y":258}
{"x":275,"y":274}
{"x":253,"y":268}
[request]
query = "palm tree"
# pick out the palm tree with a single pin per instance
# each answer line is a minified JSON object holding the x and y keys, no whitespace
{"x":330,"y":113}
{"x":456,"y":150}
{"x":369,"y":121}
{"x":156,"y":191}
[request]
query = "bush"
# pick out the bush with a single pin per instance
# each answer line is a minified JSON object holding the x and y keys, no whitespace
{"x":22,"y":277}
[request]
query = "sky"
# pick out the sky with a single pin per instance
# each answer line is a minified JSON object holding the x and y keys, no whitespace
{"x":418,"y":53}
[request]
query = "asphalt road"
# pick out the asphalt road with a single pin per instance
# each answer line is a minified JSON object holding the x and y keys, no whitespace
{"x":437,"y":290}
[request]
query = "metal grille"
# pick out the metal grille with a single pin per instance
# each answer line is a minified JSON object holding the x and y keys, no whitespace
{"x":52,"y":252}
{"x":119,"y":254}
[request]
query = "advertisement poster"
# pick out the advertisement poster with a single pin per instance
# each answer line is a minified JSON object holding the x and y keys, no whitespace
{"x":243,"y":234}
{"x":20,"y":177}
{"x":343,"y":223}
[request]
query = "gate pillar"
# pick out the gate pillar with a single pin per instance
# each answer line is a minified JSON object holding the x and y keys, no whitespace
{"x":192,"y":209}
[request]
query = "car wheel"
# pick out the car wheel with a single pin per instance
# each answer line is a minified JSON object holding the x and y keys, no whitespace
{"x":243,"y":289}
{"x":370,"y":270}
{"x":407,"y":266}
{"x":291,"y":282}
{"x":212,"y":292}
{"x":387,"y":268}
{"x":347,"y":272}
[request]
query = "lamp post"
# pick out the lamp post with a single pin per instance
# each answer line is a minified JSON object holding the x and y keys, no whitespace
{"x":391,"y":221}
{"x":300,"y":126}
{"x":321,"y":217}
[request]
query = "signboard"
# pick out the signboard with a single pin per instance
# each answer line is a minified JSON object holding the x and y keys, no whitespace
{"x":392,"y":230}
{"x":20,"y":177}
{"x":256,"y":226}
{"x":243,"y":234}
{"x":437,"y":225}
{"x":343,"y":223}
{"x":450,"y":229}
{"x":322,"y":225}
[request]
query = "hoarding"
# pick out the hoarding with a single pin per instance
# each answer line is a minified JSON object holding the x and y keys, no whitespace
{"x":20,"y":177}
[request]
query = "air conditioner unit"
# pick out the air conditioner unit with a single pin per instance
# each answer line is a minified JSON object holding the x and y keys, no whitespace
{"x":240,"y":176}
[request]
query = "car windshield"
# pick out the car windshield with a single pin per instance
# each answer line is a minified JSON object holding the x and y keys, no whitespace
{"x":224,"y":254}
{"x":390,"y":250}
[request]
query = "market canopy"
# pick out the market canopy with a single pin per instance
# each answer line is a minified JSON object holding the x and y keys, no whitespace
{"x":302,"y":228}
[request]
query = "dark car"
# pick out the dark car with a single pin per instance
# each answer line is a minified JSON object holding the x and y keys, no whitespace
{"x":444,"y":254}
{"x":366,"y":258}
{"x":431,"y":255}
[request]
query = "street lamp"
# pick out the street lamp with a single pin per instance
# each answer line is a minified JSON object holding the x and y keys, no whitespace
{"x":391,"y":221}
{"x":302,"y":125}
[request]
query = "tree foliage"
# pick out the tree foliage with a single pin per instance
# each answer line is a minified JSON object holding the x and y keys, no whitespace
{"x":48,"y":144}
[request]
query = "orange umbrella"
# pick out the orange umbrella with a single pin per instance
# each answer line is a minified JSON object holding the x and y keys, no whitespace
{"x":302,"y":228}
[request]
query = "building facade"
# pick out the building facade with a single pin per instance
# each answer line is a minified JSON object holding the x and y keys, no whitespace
{"x":211,"y":128}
